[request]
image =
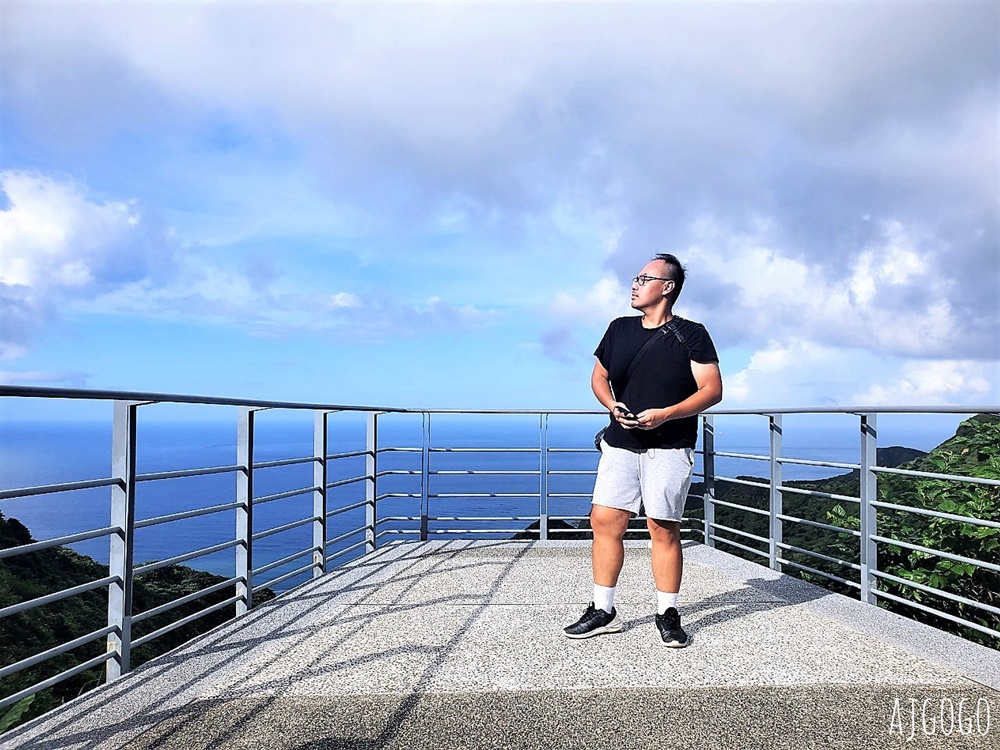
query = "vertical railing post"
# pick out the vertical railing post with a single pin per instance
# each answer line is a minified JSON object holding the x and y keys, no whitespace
{"x":868,"y":492}
{"x":244,"y":511}
{"x":708,"y":472}
{"x":320,"y":453}
{"x":774,"y":504}
{"x":543,"y":477}
{"x":123,"y":448}
{"x":425,"y":468}
{"x":371,"y":482}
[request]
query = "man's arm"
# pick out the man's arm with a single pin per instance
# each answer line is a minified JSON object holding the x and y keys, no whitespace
{"x":600,"y":382}
{"x":709,"y":393}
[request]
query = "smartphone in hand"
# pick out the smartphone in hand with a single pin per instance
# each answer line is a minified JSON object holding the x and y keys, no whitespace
{"x":625,"y":413}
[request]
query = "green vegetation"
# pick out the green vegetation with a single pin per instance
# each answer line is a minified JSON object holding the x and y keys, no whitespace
{"x":974,"y":451}
{"x":37,"y":574}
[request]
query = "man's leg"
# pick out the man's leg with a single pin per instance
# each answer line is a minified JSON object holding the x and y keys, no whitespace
{"x":668,"y":555}
{"x":666,"y":480}
{"x":608,"y":550}
{"x":607,"y":556}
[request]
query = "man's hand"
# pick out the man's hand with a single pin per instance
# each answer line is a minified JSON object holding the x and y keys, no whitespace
{"x":651,"y":418}
{"x":625,"y":418}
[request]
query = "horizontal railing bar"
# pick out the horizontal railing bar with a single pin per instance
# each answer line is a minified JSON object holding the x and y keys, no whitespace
{"x":929,"y":475}
{"x":184,"y":473}
{"x":822,"y":464}
{"x":140,"y":569}
{"x":180,"y":398}
{"x":286,"y":559}
{"x":23,"y":391}
{"x":937,"y":592}
{"x":817,"y":571}
{"x":936,"y":612}
{"x":739,"y":532}
{"x":484,"y":494}
{"x":353,"y":480}
{"x":819,"y":556}
{"x":45,"y":489}
{"x":750,"y":456}
{"x":387,"y":519}
{"x":287,"y":462}
{"x":57,"y":596}
{"x":570,"y":494}
{"x":350,"y":454}
{"x":156,"y":520}
{"x":409,"y":532}
{"x":31,"y":661}
{"x":57,"y":542}
{"x":938,"y":553}
{"x":397,"y":494}
{"x":567,"y":518}
{"x":819,"y":525}
{"x":283,"y":495}
{"x":284,"y":527}
{"x":344,"y":551}
{"x":482,"y":518}
{"x":818,"y":493}
{"x":565,"y":472}
{"x":398,"y":472}
{"x":399,"y":449}
{"x":731,"y":543}
{"x":745,"y":482}
{"x":475,"y":531}
{"x":184,"y":600}
{"x":10,"y":700}
{"x":573,"y":450}
{"x":184,"y":621}
{"x":345,"y":535}
{"x":728,"y":504}
{"x":937,"y":514}
{"x":484,"y":450}
{"x":283,"y":578}
{"x":489,"y":472}
{"x":352,"y":506}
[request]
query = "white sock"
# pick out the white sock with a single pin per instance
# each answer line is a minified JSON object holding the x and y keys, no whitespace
{"x":665,"y":601}
{"x":604,"y":597}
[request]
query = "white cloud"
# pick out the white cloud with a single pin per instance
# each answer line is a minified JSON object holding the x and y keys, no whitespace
{"x":891,"y":298}
{"x":595,"y":307}
{"x":926,"y":383}
{"x":55,"y":236}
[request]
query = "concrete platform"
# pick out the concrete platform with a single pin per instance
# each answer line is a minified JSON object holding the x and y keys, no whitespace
{"x":459,"y":645}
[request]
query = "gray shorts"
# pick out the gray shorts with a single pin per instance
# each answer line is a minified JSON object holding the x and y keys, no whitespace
{"x":660,"y":479}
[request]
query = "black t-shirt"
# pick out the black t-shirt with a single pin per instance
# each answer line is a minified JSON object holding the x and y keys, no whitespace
{"x":662,"y":378}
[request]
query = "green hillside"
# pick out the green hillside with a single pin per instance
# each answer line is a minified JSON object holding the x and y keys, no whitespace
{"x":36,"y":574}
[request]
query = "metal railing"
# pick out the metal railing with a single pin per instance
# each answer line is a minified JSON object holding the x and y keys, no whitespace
{"x":414,"y":485}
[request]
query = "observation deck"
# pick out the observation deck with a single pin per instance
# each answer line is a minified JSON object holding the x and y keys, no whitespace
{"x":408,"y":616}
{"x":458,"y":644}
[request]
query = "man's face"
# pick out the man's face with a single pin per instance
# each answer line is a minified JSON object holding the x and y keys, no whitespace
{"x":650,"y":293}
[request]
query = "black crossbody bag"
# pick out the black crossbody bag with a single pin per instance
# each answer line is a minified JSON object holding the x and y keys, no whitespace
{"x":671,"y":326}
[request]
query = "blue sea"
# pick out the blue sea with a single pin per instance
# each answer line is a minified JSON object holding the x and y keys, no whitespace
{"x":45,"y":452}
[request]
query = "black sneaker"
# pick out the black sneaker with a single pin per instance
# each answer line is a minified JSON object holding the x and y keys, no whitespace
{"x":594,"y":622}
{"x":669,"y":625}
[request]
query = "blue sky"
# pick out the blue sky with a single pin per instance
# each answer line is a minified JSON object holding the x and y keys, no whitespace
{"x":441,"y":205}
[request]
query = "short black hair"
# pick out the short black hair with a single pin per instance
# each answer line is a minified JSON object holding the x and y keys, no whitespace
{"x":675,"y":272}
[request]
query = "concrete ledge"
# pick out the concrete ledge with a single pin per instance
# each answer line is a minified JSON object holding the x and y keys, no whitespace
{"x":459,"y":644}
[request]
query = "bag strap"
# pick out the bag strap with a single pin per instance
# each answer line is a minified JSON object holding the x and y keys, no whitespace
{"x":670,"y":325}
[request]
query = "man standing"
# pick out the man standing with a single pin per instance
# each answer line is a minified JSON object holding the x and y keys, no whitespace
{"x":654,"y":392}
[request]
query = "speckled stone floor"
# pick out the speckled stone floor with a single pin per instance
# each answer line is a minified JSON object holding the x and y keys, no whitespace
{"x":459,"y":644}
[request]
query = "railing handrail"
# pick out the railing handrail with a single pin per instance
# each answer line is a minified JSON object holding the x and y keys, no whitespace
{"x":25,"y":391}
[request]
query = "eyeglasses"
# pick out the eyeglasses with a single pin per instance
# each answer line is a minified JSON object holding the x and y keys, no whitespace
{"x":641,"y":280}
